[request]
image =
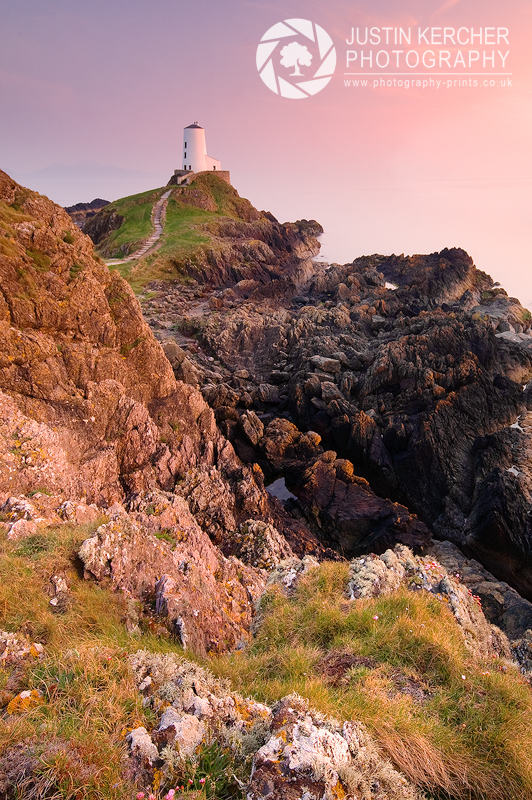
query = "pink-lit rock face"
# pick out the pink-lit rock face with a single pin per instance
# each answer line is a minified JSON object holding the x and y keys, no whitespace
{"x":206,"y":599}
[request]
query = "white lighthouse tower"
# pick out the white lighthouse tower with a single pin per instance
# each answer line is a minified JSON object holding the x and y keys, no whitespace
{"x":195,"y":156}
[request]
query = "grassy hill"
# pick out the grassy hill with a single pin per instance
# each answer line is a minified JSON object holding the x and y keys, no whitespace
{"x":190,"y":212}
{"x":136,"y":226}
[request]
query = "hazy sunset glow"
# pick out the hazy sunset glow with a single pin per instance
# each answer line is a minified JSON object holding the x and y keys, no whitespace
{"x":384,"y":168}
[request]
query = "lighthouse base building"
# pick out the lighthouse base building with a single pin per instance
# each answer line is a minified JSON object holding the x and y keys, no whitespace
{"x":195,"y":158}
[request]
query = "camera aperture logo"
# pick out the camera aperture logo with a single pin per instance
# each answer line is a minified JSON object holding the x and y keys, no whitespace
{"x":296,"y":58}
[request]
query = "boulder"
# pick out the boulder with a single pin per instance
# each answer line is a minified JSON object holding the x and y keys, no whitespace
{"x":21,"y":529}
{"x":185,"y":732}
{"x":325,"y":364}
{"x":268,"y":393}
{"x":310,"y":757}
{"x":206,"y":599}
{"x":141,"y":746}
{"x":252,"y":426}
{"x":261,"y":545}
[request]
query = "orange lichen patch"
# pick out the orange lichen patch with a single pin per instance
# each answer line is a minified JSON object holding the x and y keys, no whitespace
{"x":24,"y":701}
{"x":338,"y":791}
{"x":250,"y":712}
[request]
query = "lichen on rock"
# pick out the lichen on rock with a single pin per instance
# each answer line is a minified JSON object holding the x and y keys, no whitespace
{"x":296,"y":752}
{"x":372,"y":576}
{"x":261,"y":545}
{"x":206,"y":598}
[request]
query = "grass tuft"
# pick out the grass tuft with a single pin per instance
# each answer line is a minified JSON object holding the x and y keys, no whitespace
{"x":72,"y":745}
{"x":455,"y":726}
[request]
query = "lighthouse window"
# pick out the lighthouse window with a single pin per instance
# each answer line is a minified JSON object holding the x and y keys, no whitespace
{"x":185,"y":145}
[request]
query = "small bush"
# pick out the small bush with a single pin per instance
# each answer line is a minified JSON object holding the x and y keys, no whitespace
{"x":41,"y":261}
{"x":33,"y":545}
{"x":214,"y":772}
{"x":127,"y":348}
{"x":75,"y":270}
{"x":166,"y":536}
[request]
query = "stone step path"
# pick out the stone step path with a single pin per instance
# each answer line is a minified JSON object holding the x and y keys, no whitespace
{"x":158,"y":215}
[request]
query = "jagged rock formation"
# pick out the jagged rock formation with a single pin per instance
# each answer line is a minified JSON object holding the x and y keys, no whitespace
{"x":410,"y":369}
{"x":263,"y":253}
{"x":99,"y":226}
{"x":207,"y":598}
{"x":345,"y":511}
{"x":418,"y":386}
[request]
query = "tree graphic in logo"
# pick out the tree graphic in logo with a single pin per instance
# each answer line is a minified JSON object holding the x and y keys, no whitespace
{"x":305,"y":44}
{"x":293,"y":55}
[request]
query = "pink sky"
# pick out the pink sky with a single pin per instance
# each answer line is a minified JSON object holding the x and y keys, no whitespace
{"x":384,"y":170}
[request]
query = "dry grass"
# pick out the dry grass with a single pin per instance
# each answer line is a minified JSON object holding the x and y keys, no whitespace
{"x":464,"y":738}
{"x":73,"y":745}
{"x":458,"y":737}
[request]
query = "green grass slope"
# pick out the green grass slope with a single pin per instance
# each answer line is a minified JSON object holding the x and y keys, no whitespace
{"x":185,"y":235}
{"x":135,"y":228}
{"x":456,"y":726}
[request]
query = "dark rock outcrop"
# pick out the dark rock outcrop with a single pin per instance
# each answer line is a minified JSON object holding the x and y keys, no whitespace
{"x":82,"y":212}
{"x":348,"y":515}
{"x":417,"y":383}
{"x":100,"y":225}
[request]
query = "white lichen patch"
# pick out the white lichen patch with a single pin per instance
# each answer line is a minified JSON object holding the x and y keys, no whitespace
{"x":291,"y":751}
{"x":373,"y":576}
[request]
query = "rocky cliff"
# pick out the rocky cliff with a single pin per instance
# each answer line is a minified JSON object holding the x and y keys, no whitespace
{"x":92,"y":413}
{"x":82,"y":212}
{"x":385,"y":403}
{"x":388,"y":392}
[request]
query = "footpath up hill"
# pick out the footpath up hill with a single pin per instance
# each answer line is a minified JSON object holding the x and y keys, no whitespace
{"x":210,"y":234}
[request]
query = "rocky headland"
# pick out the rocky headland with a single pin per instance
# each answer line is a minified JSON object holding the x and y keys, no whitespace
{"x":82,"y":212}
{"x":412,"y":371}
{"x":218,"y":441}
